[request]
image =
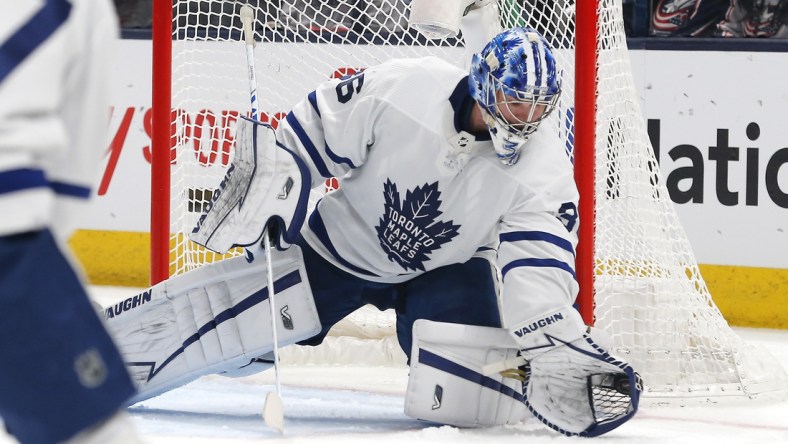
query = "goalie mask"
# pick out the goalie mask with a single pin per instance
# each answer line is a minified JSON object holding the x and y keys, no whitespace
{"x":515,"y":82}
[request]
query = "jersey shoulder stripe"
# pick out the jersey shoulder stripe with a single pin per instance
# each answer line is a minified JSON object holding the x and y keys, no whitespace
{"x":32,"y":34}
{"x":313,"y":101}
{"x":310,"y":147}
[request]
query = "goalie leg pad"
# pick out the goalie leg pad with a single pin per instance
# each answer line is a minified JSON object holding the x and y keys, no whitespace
{"x":447,"y":382}
{"x":265,"y":183}
{"x":211,"y":320}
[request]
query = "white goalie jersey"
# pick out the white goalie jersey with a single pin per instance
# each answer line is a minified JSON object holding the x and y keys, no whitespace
{"x":419,"y":191}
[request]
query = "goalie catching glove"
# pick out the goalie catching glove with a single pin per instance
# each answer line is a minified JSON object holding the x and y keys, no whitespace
{"x":571,"y":383}
{"x":266,"y":184}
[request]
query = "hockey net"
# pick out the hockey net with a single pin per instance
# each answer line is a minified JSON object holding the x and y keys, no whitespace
{"x":648,"y":291}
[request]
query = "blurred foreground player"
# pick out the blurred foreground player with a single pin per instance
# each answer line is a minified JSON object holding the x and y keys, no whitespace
{"x":61,"y":377}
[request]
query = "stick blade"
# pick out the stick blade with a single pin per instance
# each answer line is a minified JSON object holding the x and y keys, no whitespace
{"x":273,"y":412}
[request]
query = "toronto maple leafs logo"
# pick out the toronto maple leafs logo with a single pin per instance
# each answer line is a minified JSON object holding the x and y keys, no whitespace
{"x":408,"y":231}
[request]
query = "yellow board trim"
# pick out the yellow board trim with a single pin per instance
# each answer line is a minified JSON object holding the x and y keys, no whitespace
{"x":118,"y":258}
{"x":122,"y":258}
{"x":749,"y":296}
{"x":746,"y":296}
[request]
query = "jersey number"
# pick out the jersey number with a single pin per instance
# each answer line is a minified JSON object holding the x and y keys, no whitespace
{"x":346,"y":87}
{"x":568,"y":215}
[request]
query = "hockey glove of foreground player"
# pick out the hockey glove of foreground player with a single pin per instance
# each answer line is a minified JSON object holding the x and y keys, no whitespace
{"x":572,"y":384}
{"x":266,"y":184}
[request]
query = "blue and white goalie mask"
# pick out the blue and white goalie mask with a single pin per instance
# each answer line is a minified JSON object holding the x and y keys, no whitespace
{"x":515,"y":81}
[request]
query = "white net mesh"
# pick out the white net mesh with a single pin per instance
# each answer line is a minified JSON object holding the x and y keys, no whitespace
{"x":649,"y":293}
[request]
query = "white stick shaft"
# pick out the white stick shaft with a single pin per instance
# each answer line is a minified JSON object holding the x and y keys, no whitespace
{"x":272,"y":305}
{"x":252,"y":81}
{"x":246,"y":17}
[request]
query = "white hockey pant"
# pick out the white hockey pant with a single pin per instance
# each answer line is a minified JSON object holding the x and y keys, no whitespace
{"x":447,"y":382}
{"x":210,"y":320}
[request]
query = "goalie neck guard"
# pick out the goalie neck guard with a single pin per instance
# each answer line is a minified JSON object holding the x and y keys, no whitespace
{"x":516,"y":67}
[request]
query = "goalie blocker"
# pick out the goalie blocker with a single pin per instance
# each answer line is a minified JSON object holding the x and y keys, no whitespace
{"x":266,"y":184}
{"x":472,"y":376}
{"x":214,"y":319}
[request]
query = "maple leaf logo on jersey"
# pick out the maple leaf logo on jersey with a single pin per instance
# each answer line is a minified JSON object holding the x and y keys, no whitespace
{"x":408,"y":231}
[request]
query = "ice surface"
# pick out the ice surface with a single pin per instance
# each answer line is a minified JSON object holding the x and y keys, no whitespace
{"x":337,"y":404}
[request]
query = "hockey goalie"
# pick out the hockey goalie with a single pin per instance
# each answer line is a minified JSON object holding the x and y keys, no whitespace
{"x":457,"y":209}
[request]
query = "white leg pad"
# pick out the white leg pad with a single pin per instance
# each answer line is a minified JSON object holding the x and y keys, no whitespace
{"x":210,"y":320}
{"x":447,"y":384}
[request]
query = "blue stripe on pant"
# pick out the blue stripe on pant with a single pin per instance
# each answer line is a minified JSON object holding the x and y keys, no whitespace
{"x":52,"y":345}
{"x":459,"y":293}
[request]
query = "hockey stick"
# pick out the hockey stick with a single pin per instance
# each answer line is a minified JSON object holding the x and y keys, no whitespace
{"x":273,"y":411}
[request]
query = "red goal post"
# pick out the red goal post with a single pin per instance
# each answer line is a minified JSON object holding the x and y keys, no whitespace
{"x":638,"y":277}
{"x":586,"y":24}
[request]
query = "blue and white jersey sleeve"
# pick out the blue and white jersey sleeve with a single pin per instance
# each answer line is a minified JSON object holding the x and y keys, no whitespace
{"x":538,"y":238}
{"x":53,"y":108}
{"x":332,"y":128}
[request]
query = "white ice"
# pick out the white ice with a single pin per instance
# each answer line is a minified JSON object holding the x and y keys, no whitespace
{"x":342,"y":404}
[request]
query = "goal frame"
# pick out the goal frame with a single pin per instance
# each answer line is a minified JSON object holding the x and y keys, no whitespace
{"x":587,"y":25}
{"x":640,"y":282}
{"x":162,"y":134}
{"x":584,"y":133}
